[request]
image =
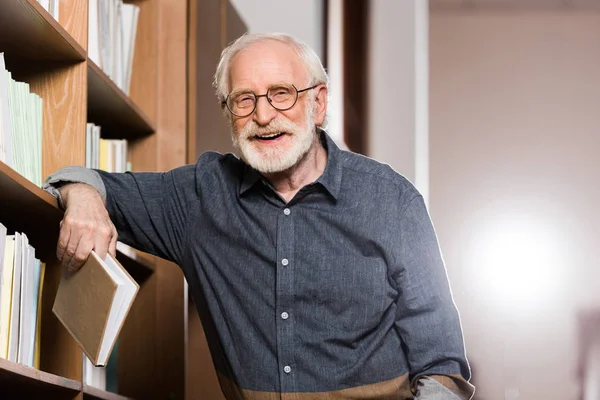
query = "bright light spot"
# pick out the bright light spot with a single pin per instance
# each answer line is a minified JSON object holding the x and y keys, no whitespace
{"x":517,"y":260}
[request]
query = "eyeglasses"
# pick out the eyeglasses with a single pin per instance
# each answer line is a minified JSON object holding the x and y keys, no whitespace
{"x":282,"y":97}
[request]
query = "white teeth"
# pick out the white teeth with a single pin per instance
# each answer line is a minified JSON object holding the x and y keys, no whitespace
{"x":269,"y":136}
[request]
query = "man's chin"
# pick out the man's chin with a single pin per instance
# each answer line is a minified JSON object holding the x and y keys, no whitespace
{"x":268,"y":165}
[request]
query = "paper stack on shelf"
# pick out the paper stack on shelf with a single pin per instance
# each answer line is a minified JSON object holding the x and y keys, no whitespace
{"x":21,"y":283}
{"x":20,"y":127}
{"x":112,"y":28}
{"x":109,"y":155}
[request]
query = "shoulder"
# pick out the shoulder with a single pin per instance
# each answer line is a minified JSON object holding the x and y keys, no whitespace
{"x":359,"y":170}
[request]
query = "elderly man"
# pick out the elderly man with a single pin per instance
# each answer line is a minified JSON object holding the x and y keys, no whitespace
{"x":318,"y":269}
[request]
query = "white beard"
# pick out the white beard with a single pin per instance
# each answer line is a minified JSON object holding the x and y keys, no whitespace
{"x":274,"y":159}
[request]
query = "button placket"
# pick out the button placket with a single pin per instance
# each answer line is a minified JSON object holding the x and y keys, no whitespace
{"x":284,"y":297}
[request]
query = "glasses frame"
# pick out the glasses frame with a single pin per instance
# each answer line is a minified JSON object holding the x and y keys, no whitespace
{"x":225,"y":102}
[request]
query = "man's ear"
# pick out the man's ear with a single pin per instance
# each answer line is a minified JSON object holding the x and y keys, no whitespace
{"x":320,"y":105}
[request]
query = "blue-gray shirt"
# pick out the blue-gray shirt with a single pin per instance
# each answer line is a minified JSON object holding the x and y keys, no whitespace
{"x":341,"y":290}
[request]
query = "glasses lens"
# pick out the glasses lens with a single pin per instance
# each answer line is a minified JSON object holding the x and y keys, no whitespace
{"x":241,"y":104}
{"x":282,"y":96}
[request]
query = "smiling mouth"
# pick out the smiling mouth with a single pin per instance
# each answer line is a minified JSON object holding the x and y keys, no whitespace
{"x":271,"y":136}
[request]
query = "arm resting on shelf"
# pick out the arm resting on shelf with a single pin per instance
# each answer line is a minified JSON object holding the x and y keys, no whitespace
{"x":73,"y":174}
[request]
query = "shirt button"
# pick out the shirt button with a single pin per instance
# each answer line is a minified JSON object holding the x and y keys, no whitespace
{"x":285,"y":315}
{"x":287,"y":211}
{"x":285,"y":262}
{"x":287,"y":369}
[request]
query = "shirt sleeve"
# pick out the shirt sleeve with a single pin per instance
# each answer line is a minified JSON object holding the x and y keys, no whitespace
{"x":148,"y":209}
{"x":443,"y":388}
{"x":427,"y":319}
{"x":73,"y":174}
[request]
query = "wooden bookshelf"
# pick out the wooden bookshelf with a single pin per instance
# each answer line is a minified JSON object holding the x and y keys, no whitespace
{"x":140,"y":265}
{"x":21,"y":382}
{"x":27,"y":208}
{"x":51,"y":56}
{"x":27,"y":30}
{"x":112,"y":109}
{"x":92,"y":393}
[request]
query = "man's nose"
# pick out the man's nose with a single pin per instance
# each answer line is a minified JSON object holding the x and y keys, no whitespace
{"x":264,"y":112}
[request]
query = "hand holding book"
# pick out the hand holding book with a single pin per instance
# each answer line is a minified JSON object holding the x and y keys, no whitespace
{"x":86,"y":226}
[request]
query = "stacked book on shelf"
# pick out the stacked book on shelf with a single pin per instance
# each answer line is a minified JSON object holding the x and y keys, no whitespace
{"x":51,"y":6}
{"x":20,"y":126}
{"x":21,"y":283}
{"x":112,"y":30}
{"x":109,"y":155}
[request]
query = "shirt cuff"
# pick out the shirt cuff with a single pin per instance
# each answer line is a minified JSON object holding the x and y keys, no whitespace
{"x":429,"y":388}
{"x":73,"y":174}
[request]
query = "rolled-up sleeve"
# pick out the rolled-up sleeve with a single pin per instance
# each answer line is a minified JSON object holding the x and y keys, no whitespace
{"x":427,"y":319}
{"x":73,"y":174}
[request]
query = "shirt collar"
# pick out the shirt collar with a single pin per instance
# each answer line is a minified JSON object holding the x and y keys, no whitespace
{"x":331,"y":179}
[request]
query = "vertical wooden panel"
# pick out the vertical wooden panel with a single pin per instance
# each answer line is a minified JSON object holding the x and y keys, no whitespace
{"x":171,"y":153}
{"x":201,"y":378}
{"x":64,"y":91}
{"x":170,"y":331}
{"x":171,"y":87}
{"x":208,"y":128}
{"x":137,"y":369}
{"x":192,"y":81}
{"x":73,"y":16}
{"x":144,"y":76}
{"x":355,"y":19}
{"x":234,"y":24}
{"x":144,"y":83}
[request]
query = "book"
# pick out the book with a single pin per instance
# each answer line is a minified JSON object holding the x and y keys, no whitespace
{"x":38,"y":324}
{"x":6,"y":284}
{"x":93,"y":303}
{"x":30,"y":276}
{"x":112,"y":30}
{"x":21,"y":244}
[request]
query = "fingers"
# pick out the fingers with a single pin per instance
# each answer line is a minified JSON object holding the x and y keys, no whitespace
{"x":78,"y":237}
{"x":63,"y":241}
{"x":112,"y":246}
{"x":69,"y":252}
{"x":80,"y":254}
{"x":103,"y":236}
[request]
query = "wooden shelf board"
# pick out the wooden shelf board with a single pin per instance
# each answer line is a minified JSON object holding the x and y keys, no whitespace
{"x":29,"y":209}
{"x":26,"y":29}
{"x":140,"y":265}
{"x":25,"y":382}
{"x":92,"y":393}
{"x":112,"y":109}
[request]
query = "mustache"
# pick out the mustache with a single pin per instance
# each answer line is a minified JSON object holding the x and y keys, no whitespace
{"x":278,"y":124}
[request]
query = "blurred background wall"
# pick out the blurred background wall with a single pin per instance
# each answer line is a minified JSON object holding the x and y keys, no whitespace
{"x":492,"y":107}
{"x":514,"y":195}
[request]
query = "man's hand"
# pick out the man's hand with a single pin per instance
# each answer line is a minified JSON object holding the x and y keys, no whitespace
{"x":86,"y":226}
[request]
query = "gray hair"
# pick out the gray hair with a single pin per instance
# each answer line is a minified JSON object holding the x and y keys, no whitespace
{"x":308,"y":57}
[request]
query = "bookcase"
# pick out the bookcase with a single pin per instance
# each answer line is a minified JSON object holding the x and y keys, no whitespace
{"x":51,"y":56}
